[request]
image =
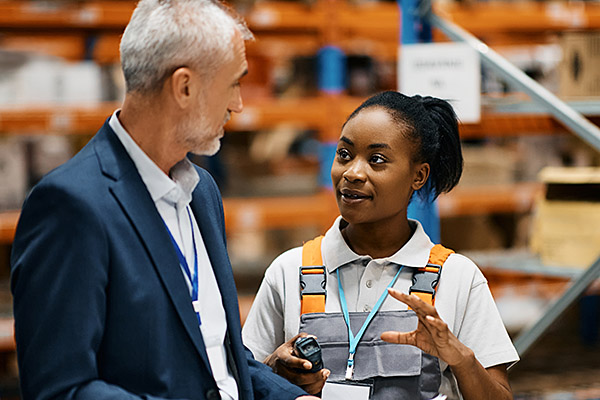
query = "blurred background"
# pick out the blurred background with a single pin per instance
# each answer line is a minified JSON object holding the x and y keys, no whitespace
{"x":527,"y":209}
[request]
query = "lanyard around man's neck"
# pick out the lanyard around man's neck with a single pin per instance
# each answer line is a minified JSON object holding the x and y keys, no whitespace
{"x":192,"y":275}
{"x":353,"y":340}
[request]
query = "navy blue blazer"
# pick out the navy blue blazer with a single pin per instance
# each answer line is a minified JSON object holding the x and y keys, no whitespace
{"x":101,"y":308}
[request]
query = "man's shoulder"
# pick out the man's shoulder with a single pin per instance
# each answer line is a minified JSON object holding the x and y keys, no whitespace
{"x":81,"y":174}
{"x":74,"y":173}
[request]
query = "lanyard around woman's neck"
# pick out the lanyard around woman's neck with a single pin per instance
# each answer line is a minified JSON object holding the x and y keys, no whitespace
{"x":353,"y":340}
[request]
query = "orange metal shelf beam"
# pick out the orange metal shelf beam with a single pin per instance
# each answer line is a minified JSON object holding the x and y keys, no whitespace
{"x":271,"y":15}
{"x":56,"y":119}
{"x":280,"y":212}
{"x":379,"y":19}
{"x":327,"y":114}
{"x":7,"y":334}
{"x":496,"y":199}
{"x":320,"y":209}
{"x":368,"y":28}
{"x":72,"y":15}
{"x":8,"y":225}
{"x":492,"y":17}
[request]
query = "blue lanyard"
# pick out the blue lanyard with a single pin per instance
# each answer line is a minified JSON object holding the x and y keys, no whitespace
{"x":192,"y":277}
{"x":353,"y":340}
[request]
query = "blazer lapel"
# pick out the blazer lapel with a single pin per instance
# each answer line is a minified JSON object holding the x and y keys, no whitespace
{"x":131,"y":193}
{"x":206,"y":208}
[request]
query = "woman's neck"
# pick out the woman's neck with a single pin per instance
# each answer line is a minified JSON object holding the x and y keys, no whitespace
{"x":378,"y":240}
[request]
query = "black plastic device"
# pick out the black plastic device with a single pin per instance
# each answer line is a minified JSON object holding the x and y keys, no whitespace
{"x":307,"y":347}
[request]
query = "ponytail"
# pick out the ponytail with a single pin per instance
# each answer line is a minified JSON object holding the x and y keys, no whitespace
{"x":447,"y":165}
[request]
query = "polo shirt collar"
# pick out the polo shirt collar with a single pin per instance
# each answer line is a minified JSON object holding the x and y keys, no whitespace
{"x":336,"y":253}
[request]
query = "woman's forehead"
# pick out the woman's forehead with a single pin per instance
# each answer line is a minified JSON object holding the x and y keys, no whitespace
{"x":373,"y":125}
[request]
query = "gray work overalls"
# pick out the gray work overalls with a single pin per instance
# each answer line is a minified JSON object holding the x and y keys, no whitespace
{"x":394,"y":371}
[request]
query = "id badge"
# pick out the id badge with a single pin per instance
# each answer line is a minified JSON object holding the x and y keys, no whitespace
{"x":346,"y":391}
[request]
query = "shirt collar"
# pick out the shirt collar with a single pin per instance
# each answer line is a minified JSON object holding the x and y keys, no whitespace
{"x":177,"y":190}
{"x":415,"y":253}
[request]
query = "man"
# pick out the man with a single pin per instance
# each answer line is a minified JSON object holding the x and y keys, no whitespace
{"x":121,"y":281}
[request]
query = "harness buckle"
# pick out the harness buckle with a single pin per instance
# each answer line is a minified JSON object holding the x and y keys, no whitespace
{"x":313,"y":280}
{"x":426,"y":279}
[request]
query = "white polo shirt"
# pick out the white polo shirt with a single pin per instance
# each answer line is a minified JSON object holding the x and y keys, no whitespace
{"x":463,"y":299}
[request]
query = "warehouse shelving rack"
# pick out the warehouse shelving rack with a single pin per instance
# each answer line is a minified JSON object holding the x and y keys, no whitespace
{"x":96,"y":26}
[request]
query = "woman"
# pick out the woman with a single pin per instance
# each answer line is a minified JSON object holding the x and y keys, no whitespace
{"x":390,"y":147}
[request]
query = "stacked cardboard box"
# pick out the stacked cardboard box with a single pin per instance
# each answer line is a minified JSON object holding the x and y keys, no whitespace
{"x":567,"y":221}
{"x":579,"y":73}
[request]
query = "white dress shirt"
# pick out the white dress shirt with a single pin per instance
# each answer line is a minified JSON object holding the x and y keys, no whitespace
{"x":172,"y":197}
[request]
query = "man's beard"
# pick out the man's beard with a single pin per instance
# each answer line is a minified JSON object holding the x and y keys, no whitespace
{"x":201,"y":138}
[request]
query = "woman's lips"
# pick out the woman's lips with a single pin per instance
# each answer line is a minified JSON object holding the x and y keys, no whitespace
{"x":353,"y":196}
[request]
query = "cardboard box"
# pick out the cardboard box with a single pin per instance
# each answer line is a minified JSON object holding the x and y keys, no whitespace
{"x":579,"y":72}
{"x":566,"y":229}
{"x":488,"y":165}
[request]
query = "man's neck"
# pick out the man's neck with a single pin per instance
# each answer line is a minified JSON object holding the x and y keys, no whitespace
{"x":149,"y":125}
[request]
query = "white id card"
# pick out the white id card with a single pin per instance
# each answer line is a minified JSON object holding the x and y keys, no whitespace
{"x":344,"y":391}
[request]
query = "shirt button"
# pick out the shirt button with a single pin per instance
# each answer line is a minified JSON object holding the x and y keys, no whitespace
{"x":366,"y":308}
{"x":369,"y":283}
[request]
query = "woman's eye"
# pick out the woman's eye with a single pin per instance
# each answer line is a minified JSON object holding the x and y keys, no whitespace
{"x":377,"y":159}
{"x":343,"y":154}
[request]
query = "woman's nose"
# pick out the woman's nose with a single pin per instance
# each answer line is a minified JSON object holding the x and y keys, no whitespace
{"x":355,"y":172}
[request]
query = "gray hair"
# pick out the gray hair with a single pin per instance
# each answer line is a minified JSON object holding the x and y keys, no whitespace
{"x":164,"y":35}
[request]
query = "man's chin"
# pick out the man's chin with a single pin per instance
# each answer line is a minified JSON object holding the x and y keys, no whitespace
{"x":209,"y":149}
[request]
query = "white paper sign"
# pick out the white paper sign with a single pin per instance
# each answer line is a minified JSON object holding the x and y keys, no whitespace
{"x":450,"y":71}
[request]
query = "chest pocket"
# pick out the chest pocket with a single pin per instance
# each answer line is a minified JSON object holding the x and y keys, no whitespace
{"x":396,"y":371}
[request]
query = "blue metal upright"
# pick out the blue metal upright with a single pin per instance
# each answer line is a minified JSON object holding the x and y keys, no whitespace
{"x":331,"y":70}
{"x":416,"y":29}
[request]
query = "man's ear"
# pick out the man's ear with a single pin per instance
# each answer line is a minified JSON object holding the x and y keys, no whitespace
{"x":421,"y":175}
{"x":182,"y":86}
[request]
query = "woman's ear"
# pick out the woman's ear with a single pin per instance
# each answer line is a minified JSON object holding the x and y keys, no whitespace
{"x":182,"y":86}
{"x":420,"y":176}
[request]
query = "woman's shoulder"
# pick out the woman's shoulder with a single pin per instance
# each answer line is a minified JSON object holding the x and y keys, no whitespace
{"x":284,"y":264}
{"x":458,"y":266}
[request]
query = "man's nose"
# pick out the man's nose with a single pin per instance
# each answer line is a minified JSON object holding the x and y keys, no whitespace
{"x":236,"y":104}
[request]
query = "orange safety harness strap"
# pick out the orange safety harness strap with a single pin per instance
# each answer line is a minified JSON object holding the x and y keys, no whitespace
{"x":425,"y":279}
{"x":313,"y":278}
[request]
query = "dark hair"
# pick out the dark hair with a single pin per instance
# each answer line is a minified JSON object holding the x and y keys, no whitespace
{"x":431,"y":124}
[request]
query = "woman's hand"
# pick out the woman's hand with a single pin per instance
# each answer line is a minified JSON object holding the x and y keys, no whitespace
{"x":432,"y":334}
{"x":433,"y":337}
{"x":285,"y":362}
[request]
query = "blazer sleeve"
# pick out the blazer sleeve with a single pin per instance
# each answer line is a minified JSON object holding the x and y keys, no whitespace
{"x":266,"y":385}
{"x":59,"y":276}
{"x":269,"y":386}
